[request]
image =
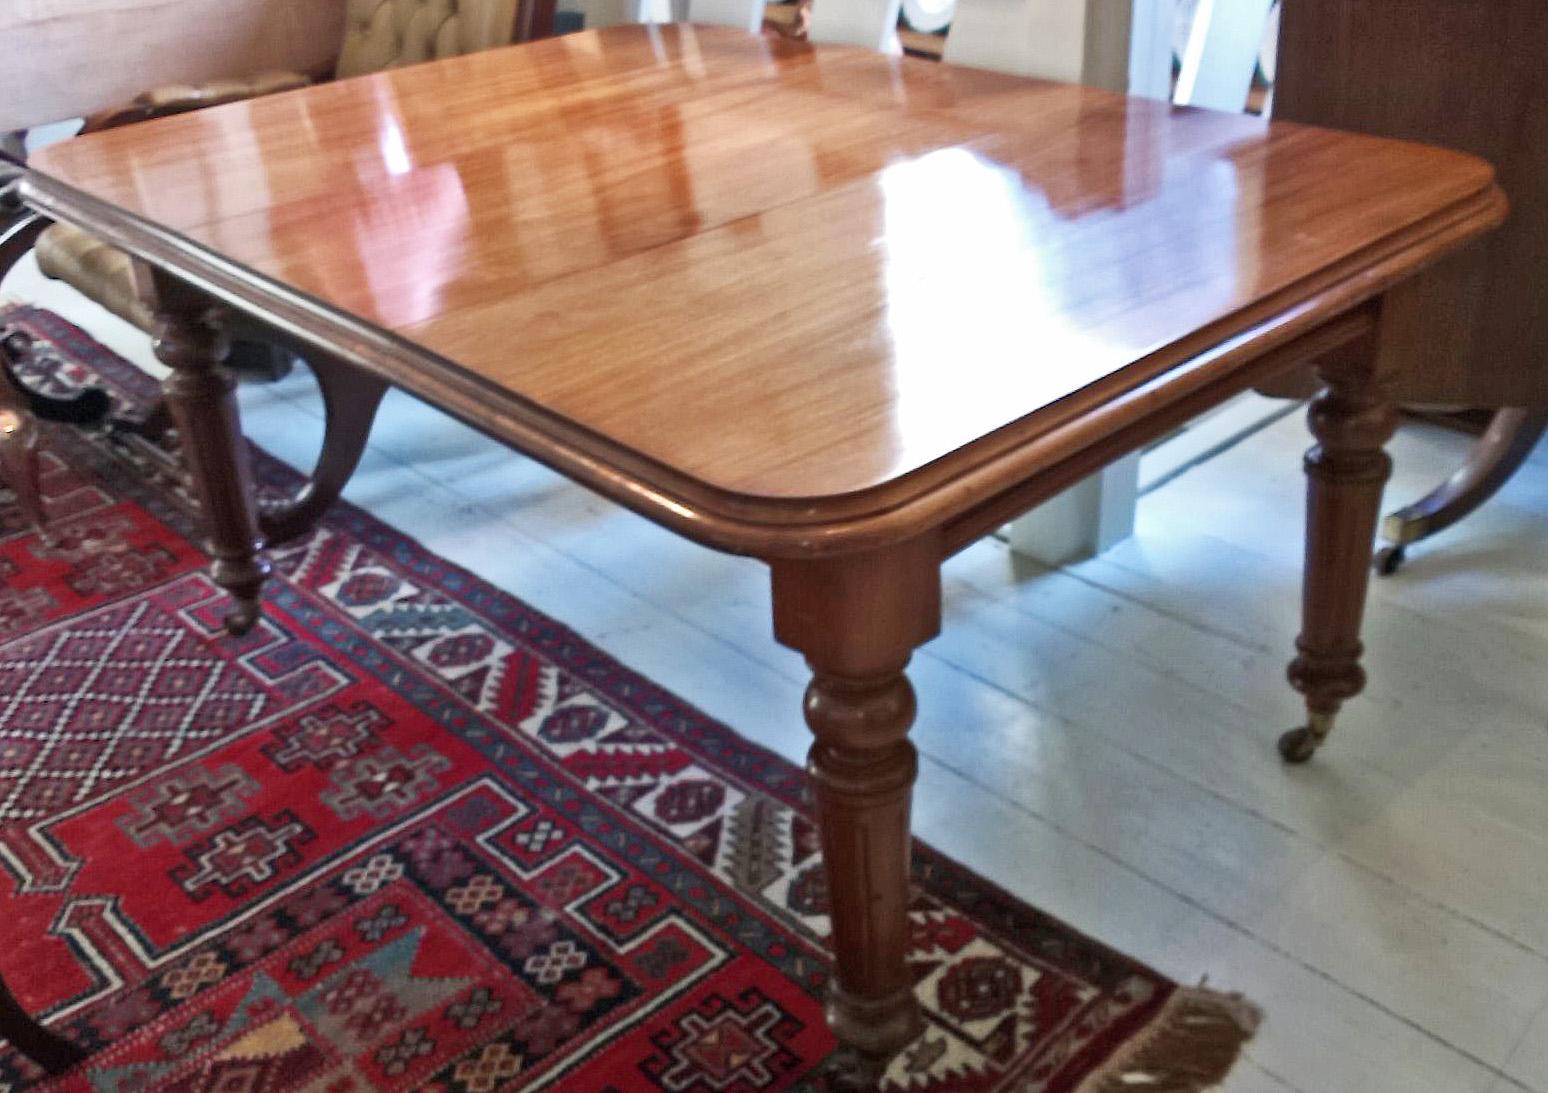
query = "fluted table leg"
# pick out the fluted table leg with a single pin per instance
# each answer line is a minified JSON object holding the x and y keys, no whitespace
{"x":1346,"y":469}
{"x":857,"y":619}
{"x":200,"y":393}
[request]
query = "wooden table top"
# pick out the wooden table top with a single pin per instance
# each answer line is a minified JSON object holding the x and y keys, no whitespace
{"x":746,"y":281}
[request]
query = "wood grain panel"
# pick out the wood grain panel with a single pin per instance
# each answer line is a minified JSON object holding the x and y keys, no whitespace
{"x":1467,"y":75}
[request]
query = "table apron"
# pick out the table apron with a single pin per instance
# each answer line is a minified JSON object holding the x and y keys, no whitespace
{"x":1127,"y":424}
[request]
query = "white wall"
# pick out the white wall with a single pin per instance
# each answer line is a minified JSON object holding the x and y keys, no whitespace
{"x":66,"y":58}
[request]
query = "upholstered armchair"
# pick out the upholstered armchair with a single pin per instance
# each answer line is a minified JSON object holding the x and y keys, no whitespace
{"x":370,"y":36}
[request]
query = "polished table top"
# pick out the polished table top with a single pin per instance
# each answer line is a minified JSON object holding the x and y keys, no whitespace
{"x":744,"y":283}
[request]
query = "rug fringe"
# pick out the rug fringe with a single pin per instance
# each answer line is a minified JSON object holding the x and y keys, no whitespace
{"x":1188,"y":1047}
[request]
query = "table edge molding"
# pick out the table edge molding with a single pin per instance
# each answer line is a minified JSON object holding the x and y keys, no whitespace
{"x":1038,"y":448}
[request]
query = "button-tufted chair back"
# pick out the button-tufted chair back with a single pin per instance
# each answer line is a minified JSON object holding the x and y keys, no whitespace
{"x":381,"y":34}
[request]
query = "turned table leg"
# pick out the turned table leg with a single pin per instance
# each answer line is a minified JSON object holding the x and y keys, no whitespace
{"x":857,"y":619}
{"x":48,"y":1049}
{"x":200,"y":394}
{"x":1346,"y":469}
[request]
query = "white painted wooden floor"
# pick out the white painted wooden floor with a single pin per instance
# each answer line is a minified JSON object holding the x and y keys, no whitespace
{"x":1099,"y":739}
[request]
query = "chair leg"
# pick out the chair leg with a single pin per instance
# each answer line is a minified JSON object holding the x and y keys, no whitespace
{"x":1512,"y":434}
{"x":48,"y":1049}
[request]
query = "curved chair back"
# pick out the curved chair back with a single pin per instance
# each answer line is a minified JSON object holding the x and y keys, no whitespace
{"x":1101,"y":43}
{"x":869,"y":23}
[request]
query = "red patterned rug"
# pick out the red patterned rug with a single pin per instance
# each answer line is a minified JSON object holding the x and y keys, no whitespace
{"x":410,"y":834}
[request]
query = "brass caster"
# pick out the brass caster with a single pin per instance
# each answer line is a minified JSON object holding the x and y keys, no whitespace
{"x":241,"y":618}
{"x":1387,"y":560}
{"x":1298,"y":745}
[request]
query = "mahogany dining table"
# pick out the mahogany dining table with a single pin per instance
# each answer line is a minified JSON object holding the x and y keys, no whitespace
{"x":840,"y":311}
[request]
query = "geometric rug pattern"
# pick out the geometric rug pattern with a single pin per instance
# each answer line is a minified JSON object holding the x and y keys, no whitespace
{"x":410,"y":834}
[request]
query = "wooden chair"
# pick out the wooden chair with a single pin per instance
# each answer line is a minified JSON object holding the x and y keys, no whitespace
{"x":1464,"y":76}
{"x":1424,"y":71}
{"x":370,"y":36}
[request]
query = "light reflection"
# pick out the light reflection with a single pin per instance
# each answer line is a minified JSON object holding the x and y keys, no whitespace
{"x":693,"y":56}
{"x":996,"y":297}
{"x":968,"y":283}
{"x":408,"y":226}
{"x":411,"y":236}
{"x":658,"y":48}
{"x":395,"y":155}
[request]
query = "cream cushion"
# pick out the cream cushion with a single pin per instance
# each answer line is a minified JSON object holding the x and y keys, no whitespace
{"x":382,"y":34}
{"x":104,"y":273}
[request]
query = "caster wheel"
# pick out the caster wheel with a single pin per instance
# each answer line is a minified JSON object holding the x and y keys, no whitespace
{"x":1387,"y":560}
{"x":1298,"y":745}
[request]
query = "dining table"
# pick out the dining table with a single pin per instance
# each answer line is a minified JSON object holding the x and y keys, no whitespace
{"x":839,"y":311}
